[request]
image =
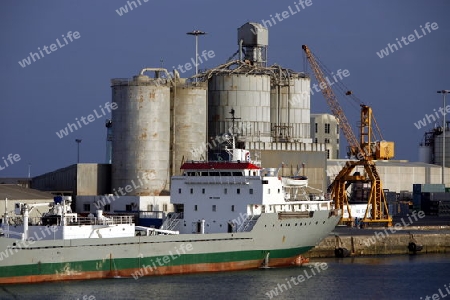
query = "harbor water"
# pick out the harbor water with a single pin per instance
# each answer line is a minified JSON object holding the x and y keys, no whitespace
{"x":372,"y":277}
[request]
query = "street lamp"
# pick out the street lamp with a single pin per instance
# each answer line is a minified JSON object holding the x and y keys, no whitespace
{"x":196,"y":33}
{"x":443,"y":92}
{"x":78,"y":141}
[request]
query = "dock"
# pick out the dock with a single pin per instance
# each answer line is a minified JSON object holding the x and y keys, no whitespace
{"x":382,"y":241}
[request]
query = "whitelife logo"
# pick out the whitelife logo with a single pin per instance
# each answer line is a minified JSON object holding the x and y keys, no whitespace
{"x":411,"y":38}
{"x":106,"y":109}
{"x":53,"y":47}
{"x":284,"y":15}
{"x":124,"y":9}
{"x":12,"y":158}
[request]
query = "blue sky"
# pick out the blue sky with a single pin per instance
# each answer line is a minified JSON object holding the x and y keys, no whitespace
{"x":40,"y":99}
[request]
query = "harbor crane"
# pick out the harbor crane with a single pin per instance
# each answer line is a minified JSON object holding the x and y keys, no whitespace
{"x":370,"y":147}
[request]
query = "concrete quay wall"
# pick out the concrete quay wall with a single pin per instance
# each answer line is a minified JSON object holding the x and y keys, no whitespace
{"x":380,"y":243}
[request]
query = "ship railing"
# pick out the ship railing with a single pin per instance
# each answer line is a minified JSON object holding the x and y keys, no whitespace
{"x":110,"y":220}
{"x":299,"y":206}
{"x":75,"y":221}
{"x":217,"y":180}
{"x":156,"y":214}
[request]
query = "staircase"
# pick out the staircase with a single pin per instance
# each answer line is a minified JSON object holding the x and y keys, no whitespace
{"x":248,"y":224}
{"x":171,"y":221}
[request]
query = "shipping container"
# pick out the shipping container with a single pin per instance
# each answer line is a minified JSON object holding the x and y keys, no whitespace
{"x":436,"y":204}
{"x":427,"y":188}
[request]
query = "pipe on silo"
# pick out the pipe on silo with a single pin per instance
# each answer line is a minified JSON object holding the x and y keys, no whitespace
{"x":156,"y":70}
{"x":240,"y":49}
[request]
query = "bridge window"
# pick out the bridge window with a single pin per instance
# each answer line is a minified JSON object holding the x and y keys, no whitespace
{"x":214,"y":173}
{"x":225,"y":173}
{"x":238,"y":174}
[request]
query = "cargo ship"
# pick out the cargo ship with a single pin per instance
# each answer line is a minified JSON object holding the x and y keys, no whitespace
{"x":230,"y":215}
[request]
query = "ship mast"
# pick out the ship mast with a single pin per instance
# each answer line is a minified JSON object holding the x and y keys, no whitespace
{"x":233,"y":119}
{"x":233,"y":140}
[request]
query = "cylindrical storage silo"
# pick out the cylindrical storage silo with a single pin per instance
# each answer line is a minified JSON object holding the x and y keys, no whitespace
{"x":438,"y":149}
{"x":140,"y":155}
{"x":425,"y":154}
{"x":189,"y":119}
{"x":290,"y":109}
{"x":249,"y":96}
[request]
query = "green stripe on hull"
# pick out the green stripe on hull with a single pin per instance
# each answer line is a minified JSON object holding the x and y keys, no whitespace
{"x":129,"y":263}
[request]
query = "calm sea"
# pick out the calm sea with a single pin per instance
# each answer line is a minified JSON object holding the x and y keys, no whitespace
{"x":376,"y":277}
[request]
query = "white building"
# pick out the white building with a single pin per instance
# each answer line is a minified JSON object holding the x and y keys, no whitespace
{"x":396,"y":175}
{"x":325,"y":129}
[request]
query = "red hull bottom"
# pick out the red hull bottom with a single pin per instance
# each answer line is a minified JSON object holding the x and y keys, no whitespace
{"x":164,"y":270}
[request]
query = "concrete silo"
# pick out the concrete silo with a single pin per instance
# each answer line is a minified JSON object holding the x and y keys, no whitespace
{"x":141,"y":139}
{"x":249,"y":96}
{"x":189,"y":112}
{"x":290,"y":107}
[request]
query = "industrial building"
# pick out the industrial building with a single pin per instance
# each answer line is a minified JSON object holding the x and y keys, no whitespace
{"x":163,"y":120}
{"x":431,"y":150}
{"x":396,"y":175}
{"x":325,"y":129}
{"x":76,"y":179}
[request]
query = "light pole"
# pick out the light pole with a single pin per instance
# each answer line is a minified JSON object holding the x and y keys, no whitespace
{"x":196,"y":33}
{"x":78,"y":141}
{"x":443,"y":92}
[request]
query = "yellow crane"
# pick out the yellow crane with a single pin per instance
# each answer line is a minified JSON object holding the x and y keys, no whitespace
{"x":369,"y":148}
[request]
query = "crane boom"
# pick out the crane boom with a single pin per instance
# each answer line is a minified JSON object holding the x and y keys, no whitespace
{"x":334,"y":105}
